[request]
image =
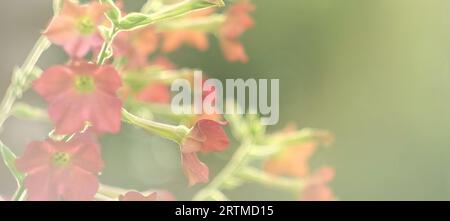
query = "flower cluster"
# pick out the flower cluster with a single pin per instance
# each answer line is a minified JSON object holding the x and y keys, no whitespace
{"x":118,"y":71}
{"x":293,"y":160}
{"x":85,"y":100}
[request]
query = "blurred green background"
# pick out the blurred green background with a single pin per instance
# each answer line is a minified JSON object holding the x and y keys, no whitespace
{"x":376,"y":73}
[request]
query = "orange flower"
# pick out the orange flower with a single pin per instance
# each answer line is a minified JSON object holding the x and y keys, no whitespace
{"x":174,"y":40}
{"x":293,"y":161}
{"x":237,"y":22}
{"x":233,"y":50}
{"x":197,"y":39}
{"x":136,"y":46}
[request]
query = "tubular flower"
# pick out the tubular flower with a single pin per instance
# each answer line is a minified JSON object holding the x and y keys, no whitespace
{"x":75,"y":28}
{"x":81,"y":93}
{"x":237,"y":22}
{"x":61,"y":170}
{"x":205,"y":136}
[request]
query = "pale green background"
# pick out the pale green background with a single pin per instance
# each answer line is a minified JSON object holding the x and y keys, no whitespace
{"x":376,"y":73}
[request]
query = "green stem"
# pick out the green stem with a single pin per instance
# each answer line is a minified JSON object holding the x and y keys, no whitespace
{"x":239,"y":158}
{"x":252,"y":174}
{"x":20,"y":79}
{"x":18,"y":195}
{"x":174,"y":133}
{"x":111,"y":192}
{"x":106,"y":47}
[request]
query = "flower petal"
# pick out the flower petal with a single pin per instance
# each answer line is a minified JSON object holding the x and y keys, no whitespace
{"x":195,"y":170}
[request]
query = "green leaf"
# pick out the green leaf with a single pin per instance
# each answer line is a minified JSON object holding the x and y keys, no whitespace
{"x":134,"y":20}
{"x":137,"y":20}
{"x":9,"y":158}
{"x":114,"y":14}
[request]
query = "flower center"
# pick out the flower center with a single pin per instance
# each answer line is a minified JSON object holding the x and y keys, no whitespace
{"x":84,"y":84}
{"x":85,"y":25}
{"x":60,"y":159}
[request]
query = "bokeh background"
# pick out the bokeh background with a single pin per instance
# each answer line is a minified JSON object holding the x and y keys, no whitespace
{"x":376,"y":73}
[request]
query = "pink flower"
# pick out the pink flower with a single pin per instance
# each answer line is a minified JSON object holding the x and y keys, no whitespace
{"x":81,"y":92}
{"x":136,"y":196}
{"x":205,"y":136}
{"x":317,"y":188}
{"x":75,"y":28}
{"x":237,"y":22}
{"x":195,"y":170}
{"x":61,"y":170}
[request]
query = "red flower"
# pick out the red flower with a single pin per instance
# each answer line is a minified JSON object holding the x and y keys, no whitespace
{"x":317,"y":188}
{"x":237,"y":22}
{"x":81,"y":92}
{"x":75,"y":28}
{"x":136,"y":196}
{"x":205,"y":136}
{"x":136,"y":46}
{"x":61,"y":170}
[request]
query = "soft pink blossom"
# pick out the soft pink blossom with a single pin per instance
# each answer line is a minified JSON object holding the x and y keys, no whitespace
{"x":75,"y":28}
{"x":80,"y":93}
{"x":61,"y":170}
